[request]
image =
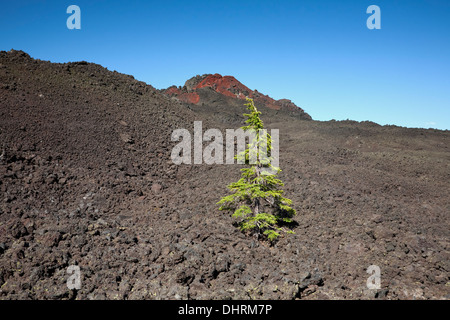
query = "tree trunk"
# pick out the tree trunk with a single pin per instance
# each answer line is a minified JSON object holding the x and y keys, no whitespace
{"x":257,"y":200}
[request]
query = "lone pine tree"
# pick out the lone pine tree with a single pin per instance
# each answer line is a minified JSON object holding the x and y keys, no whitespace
{"x":256,"y":201}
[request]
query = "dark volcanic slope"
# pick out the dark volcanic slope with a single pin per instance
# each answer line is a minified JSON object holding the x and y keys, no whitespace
{"x":86,"y":178}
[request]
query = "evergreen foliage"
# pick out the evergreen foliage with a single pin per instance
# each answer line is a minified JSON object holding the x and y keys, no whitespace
{"x":256,"y":200}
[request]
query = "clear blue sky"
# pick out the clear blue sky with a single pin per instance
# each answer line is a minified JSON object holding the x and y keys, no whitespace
{"x":318,"y":53}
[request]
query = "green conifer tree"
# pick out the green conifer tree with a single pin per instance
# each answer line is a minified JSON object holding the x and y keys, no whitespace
{"x":256,"y":200}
